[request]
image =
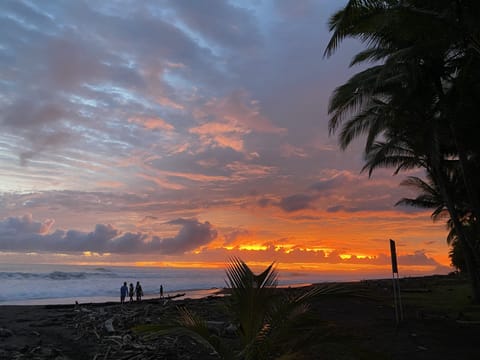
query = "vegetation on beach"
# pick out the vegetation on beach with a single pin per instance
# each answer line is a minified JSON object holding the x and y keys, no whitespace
{"x":360,"y":325}
{"x":448,"y":297}
{"x":259,"y":313}
{"x":417,"y":106}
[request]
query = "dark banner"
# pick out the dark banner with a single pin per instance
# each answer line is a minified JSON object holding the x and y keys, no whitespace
{"x":393,"y":253}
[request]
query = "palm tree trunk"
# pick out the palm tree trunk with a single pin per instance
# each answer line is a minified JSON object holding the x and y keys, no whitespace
{"x":463,"y":161}
{"x":464,"y":167}
{"x":471,"y":256}
{"x":472,"y":259}
{"x":472,"y":194}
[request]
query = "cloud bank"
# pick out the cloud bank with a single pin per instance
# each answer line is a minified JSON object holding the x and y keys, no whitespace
{"x":23,"y":234}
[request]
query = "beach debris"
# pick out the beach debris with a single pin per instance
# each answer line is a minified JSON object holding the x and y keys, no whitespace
{"x":416,"y":290}
{"x":111,"y":329}
{"x":468,"y":322}
{"x":5,"y":332}
{"x":169,"y":297}
{"x":231,"y":330}
{"x":431,"y":315}
{"x":216,"y":327}
{"x":109,"y":325}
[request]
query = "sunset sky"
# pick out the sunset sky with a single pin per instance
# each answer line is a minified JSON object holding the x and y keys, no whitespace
{"x":182,"y":133}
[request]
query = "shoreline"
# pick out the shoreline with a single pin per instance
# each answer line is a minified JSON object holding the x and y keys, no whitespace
{"x":192,"y":294}
{"x":89,"y":300}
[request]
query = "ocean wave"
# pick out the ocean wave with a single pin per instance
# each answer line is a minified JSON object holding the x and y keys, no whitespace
{"x":60,"y":275}
{"x":55,"y":275}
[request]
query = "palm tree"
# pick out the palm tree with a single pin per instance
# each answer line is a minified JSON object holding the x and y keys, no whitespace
{"x":251,"y":303}
{"x":429,"y":197}
{"x":404,"y":105}
{"x":260,"y":313}
{"x":422,"y":43}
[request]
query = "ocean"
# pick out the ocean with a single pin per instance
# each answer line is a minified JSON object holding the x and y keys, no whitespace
{"x":27,"y":284}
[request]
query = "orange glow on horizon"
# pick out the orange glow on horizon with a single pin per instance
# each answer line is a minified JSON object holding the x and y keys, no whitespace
{"x":252,"y":247}
{"x":177,"y":264}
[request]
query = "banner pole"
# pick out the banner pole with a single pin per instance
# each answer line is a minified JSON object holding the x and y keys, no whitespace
{"x":397,"y":298}
{"x":399,"y":294}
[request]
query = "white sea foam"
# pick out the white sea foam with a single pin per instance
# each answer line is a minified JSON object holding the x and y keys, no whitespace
{"x":51,"y":282}
{"x":60,"y":284}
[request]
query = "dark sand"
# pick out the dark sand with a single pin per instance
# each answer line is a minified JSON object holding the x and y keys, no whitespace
{"x":346,"y":327}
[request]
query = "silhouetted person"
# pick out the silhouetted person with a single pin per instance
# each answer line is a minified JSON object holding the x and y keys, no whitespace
{"x":131,"y":291}
{"x":123,"y":292}
{"x":139,"y":291}
{"x":161,"y":291}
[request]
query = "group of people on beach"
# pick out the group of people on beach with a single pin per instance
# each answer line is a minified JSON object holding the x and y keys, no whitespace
{"x":131,"y":292}
{"x":134,"y":291}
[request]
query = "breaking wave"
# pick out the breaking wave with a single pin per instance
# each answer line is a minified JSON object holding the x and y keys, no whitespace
{"x":56,"y":275}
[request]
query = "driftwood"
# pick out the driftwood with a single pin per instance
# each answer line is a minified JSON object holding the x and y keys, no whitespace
{"x":113,"y":331}
{"x":416,"y":290}
{"x":169,"y":297}
{"x":111,"y":327}
{"x":469,"y":322}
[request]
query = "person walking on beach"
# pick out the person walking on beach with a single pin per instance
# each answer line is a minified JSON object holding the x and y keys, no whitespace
{"x":139,"y":291}
{"x":123,"y":292}
{"x":161,"y":291}
{"x":131,"y":291}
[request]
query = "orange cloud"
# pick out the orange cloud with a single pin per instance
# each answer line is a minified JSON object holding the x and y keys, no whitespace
{"x":225,"y":121}
{"x":152,"y":123}
{"x":251,"y":170}
{"x":165,"y":101}
{"x":290,"y":151}
{"x":220,"y":134}
{"x":162,"y":182}
{"x":237,"y":108}
{"x":110,"y":184}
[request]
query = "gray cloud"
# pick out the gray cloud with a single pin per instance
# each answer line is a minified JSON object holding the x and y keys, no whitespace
{"x":100,"y":64}
{"x":24,"y":234}
{"x":296,"y":202}
{"x":25,"y":113}
{"x":192,"y":235}
{"x":345,"y":192}
{"x":264,"y":202}
{"x":333,"y":182}
{"x":232,"y":236}
{"x":13,"y":226}
{"x":219,"y":21}
{"x":88,"y":62}
{"x":338,"y":208}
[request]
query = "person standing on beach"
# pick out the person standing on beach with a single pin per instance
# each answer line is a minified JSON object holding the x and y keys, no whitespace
{"x":131,"y":291}
{"x":161,"y":291}
{"x":139,"y":291}
{"x":123,"y":292}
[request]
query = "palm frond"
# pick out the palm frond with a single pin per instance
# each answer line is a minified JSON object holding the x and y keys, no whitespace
{"x":196,"y":327}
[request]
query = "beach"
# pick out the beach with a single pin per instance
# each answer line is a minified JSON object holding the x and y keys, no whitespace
{"x":356,"y":326}
{"x":80,"y":332}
